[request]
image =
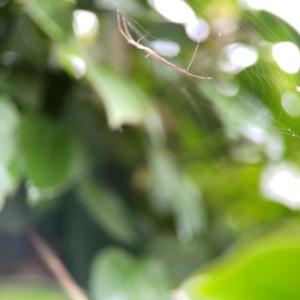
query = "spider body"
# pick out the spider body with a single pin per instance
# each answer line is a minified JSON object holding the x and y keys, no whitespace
{"x":126,"y":34}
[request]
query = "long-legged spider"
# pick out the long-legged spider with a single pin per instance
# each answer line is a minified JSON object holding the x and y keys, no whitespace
{"x":125,"y":32}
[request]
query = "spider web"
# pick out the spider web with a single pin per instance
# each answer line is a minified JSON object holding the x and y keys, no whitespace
{"x":247,"y":103}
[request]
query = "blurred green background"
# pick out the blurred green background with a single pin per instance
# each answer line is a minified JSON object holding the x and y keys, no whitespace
{"x":148,"y":183}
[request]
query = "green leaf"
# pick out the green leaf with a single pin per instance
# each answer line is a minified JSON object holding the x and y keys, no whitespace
{"x":9,"y":168}
{"x":107,"y":210}
{"x":71,"y":60}
{"x":124,"y":102}
{"x":235,"y":114}
{"x":27,"y":87}
{"x":48,"y":152}
{"x":265,"y":268}
{"x":9,"y":122}
{"x":17,"y":291}
{"x":171,"y":192}
{"x":8,"y":182}
{"x":180,"y":259}
{"x":53,"y":17}
{"x":117,"y":275}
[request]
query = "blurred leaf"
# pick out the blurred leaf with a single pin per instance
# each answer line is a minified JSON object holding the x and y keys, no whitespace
{"x":9,"y":168}
{"x":218,"y":132}
{"x":117,"y":275}
{"x":246,"y":207}
{"x":15,"y":216}
{"x":246,"y":116}
{"x":124,"y":102}
{"x":71,"y":60}
{"x":236,"y":112}
{"x":171,"y":192}
{"x":107,"y":210}
{"x":48,"y":152}
{"x":265,"y":268}
{"x":28,"y":291}
{"x":9,"y":122}
{"x":180,"y":259}
{"x":130,"y":6}
{"x":25,"y":86}
{"x":54,"y":17}
{"x":8,"y":183}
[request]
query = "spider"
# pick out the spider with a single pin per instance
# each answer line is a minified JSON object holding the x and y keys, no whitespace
{"x":126,"y":34}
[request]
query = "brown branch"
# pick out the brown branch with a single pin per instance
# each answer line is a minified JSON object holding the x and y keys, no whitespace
{"x":62,"y":275}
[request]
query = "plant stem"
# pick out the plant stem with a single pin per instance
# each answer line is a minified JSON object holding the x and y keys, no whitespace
{"x":55,"y":265}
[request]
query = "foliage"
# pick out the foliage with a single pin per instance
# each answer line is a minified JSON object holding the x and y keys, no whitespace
{"x":142,"y":173}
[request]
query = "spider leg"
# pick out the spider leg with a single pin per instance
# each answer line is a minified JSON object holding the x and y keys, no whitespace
{"x":193,"y":57}
{"x":120,"y":26}
{"x":196,"y":76}
{"x":184,"y":71}
{"x":140,"y":39}
{"x":163,"y":60}
{"x":126,"y":34}
{"x":127,"y":30}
